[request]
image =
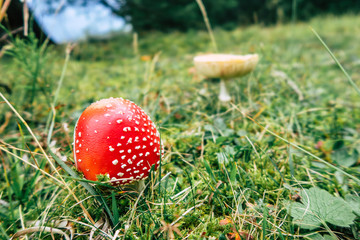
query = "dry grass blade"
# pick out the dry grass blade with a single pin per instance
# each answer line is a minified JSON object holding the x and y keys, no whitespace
{"x":337,"y":62}
{"x":26,"y":18}
{"x":7,"y":120}
{"x":32,"y":165}
{"x":207,"y":23}
{"x":4,"y":8}
{"x":307,"y":152}
{"x":39,"y":229}
{"x":86,"y":213}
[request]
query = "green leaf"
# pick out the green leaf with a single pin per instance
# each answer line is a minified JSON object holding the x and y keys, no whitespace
{"x":354,"y":203}
{"x":317,"y":207}
{"x":317,"y":236}
{"x":344,"y":158}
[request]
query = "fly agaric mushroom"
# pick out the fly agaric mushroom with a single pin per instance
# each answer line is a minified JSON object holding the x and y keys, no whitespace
{"x":225,"y":66}
{"x":116,"y":138}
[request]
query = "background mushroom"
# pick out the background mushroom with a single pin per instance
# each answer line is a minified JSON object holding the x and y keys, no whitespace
{"x":225,"y":66}
{"x":116,"y":138}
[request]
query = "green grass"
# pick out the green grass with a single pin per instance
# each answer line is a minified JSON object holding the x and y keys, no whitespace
{"x":244,"y":161}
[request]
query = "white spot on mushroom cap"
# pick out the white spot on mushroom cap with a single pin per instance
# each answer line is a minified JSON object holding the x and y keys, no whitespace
{"x":129,"y":161}
{"x":115,"y":162}
{"x":120,"y":174}
{"x":79,"y":134}
{"x":111,"y":149}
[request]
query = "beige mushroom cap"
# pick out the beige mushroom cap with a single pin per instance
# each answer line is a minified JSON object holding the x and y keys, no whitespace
{"x":225,"y":66}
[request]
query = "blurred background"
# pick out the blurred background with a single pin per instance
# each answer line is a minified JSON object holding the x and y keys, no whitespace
{"x":75,"y":20}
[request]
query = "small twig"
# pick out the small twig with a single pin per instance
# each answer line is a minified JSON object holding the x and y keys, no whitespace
{"x":5,"y":36}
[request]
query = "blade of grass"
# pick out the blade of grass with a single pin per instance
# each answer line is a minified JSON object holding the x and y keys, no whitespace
{"x":3,"y":232}
{"x":115,"y":210}
{"x":307,"y":152}
{"x":336,"y":61}
{"x":86,"y":213}
{"x":67,"y":169}
{"x":207,"y":23}
{"x":67,"y":58}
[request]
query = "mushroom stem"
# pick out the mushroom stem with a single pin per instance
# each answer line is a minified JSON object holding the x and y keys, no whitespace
{"x":223,"y":95}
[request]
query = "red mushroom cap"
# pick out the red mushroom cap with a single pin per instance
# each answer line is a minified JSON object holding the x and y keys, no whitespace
{"x":115,"y":137}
